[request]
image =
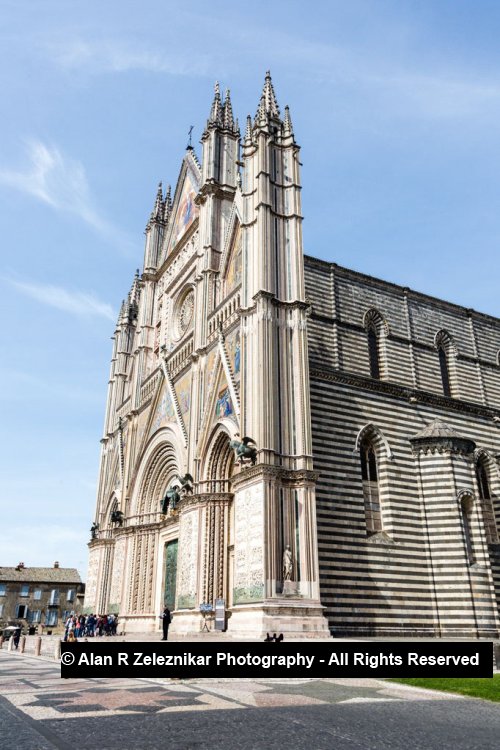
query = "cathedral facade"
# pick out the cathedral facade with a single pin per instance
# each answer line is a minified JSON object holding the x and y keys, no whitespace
{"x":311,"y":449}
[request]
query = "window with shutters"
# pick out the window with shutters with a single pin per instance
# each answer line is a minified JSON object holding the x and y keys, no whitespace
{"x":51,"y":617}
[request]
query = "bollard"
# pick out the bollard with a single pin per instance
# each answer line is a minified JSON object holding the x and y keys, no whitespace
{"x":10,"y":647}
{"x":1,"y":641}
{"x":38,"y":645}
{"x":22,"y":644}
{"x":57,"y":650}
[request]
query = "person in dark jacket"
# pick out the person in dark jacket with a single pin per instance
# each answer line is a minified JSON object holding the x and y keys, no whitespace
{"x":16,"y":637}
{"x":166,"y":620}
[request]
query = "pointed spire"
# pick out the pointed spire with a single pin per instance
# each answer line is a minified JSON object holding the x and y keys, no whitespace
{"x":167,"y":204}
{"x":216,"y":110}
{"x":157,"y":212}
{"x":268,"y":99}
{"x":135,"y":289}
{"x":248,"y":132}
{"x":287,"y":123}
{"x":123,"y":312}
{"x":228,"y":118}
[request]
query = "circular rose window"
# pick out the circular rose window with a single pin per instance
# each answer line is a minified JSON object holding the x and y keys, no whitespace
{"x":185,"y":314}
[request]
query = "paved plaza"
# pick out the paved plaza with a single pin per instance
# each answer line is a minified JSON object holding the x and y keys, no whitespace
{"x":39,"y":711}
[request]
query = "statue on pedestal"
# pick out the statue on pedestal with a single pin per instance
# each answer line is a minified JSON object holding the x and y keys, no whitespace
{"x":117,"y":517}
{"x":287,"y":564}
{"x":93,"y":530}
{"x":244,"y":451}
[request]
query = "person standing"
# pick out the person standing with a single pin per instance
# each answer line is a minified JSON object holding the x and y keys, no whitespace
{"x":16,"y":637}
{"x":166,"y":620}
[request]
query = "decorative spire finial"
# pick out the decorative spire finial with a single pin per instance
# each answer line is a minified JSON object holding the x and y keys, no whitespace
{"x":228,"y":118}
{"x":248,"y":131}
{"x":268,"y":101}
{"x":216,"y":110}
{"x":288,"y":127}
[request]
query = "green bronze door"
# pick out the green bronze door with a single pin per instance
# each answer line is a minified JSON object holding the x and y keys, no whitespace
{"x":170,"y":573}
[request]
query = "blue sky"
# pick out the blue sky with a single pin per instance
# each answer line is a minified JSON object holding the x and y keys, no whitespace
{"x":396,"y":106}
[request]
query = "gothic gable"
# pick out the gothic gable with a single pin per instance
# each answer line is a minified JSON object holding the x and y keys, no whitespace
{"x":185,"y":211}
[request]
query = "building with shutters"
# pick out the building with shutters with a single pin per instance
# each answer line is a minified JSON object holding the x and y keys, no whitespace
{"x":39,"y":596}
{"x":315,"y":447}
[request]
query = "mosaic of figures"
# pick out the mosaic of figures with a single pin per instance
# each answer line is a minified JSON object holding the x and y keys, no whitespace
{"x":233,"y":347}
{"x":183,"y":392}
{"x":233,"y":276}
{"x":165,"y":412}
{"x":187,"y":212}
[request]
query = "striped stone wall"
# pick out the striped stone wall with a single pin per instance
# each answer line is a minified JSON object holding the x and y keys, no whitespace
{"x":414,"y":577}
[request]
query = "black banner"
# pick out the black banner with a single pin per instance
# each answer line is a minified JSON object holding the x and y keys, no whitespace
{"x":106,"y":658}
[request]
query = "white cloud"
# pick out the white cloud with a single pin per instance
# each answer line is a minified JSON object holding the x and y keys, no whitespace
{"x":58,"y":181}
{"x":75,"y":303}
{"x":114,"y":56}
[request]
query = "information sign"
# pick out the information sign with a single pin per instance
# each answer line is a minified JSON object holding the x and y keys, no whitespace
{"x":220,"y":614}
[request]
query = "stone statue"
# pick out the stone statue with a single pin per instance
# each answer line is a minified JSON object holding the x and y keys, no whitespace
{"x":170,"y":499}
{"x":287,"y":564}
{"x":186,"y":483}
{"x":172,"y":495}
{"x":117,"y":517}
{"x":93,"y":530}
{"x":244,"y":452}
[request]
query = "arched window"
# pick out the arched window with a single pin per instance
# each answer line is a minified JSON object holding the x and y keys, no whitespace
{"x":445,"y":373}
{"x":466,"y":507}
{"x":483,"y":484}
{"x":447,"y":353}
{"x":377,"y":331}
{"x":369,"y":474}
{"x":373,"y":353}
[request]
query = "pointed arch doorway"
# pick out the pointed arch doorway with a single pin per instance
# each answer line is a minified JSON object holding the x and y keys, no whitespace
{"x":219,"y":521}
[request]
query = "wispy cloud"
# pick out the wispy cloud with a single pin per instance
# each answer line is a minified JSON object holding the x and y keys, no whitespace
{"x":120,"y":56}
{"x":75,"y":303}
{"x":60,"y":182}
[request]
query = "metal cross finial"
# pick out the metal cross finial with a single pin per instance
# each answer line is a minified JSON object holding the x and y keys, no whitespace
{"x":190,"y":133}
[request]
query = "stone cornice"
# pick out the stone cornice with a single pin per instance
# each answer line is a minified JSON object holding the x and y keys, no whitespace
{"x":201,"y":500}
{"x":310,"y":261}
{"x":266,"y":471}
{"x":414,"y":396}
{"x":349,"y":326}
{"x":457,"y":446}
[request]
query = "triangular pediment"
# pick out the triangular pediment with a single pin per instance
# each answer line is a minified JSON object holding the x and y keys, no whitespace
{"x":223,"y":406}
{"x":233,"y":263}
{"x":218,"y":407}
{"x":182,"y":389}
{"x":233,"y":349}
{"x":185,"y":211}
{"x":162,"y":411}
{"x":233,"y":225}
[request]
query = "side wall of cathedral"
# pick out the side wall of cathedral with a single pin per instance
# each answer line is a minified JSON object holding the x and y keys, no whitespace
{"x":414,"y":549}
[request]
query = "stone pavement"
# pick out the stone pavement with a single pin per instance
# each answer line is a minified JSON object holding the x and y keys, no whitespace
{"x":39,"y":711}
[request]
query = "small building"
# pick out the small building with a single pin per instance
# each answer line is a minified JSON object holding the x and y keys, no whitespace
{"x":36,"y":596}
